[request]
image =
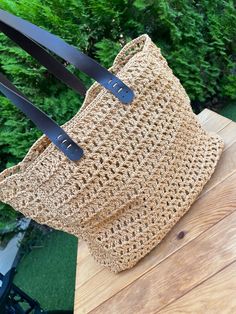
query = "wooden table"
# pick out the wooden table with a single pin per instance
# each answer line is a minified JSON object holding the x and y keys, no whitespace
{"x":195,"y":274}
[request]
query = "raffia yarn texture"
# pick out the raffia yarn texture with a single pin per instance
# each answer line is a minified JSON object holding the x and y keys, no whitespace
{"x":144,"y":164}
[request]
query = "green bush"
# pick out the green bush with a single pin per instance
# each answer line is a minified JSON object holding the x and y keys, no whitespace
{"x":9,"y":224}
{"x":8,"y":219}
{"x":196,"y":37}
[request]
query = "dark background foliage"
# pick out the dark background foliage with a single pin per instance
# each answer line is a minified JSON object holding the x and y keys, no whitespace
{"x":196,"y":37}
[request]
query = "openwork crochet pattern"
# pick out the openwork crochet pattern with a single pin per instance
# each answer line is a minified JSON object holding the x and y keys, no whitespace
{"x":144,"y":164}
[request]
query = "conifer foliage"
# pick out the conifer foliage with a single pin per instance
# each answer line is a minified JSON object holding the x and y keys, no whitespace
{"x":196,"y":37}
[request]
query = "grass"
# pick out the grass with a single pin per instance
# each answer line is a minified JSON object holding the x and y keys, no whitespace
{"x":47,"y":274}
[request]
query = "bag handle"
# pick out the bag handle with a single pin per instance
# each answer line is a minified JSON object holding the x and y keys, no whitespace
{"x":71,"y":55}
{"x":44,"y":58}
{"x":30,"y":38}
{"x":48,"y":126}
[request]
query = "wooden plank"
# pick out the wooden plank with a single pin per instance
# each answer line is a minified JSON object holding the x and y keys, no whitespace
{"x":205,"y":114}
{"x":227,"y":162}
{"x":204,"y":213}
{"x":215,"y":122}
{"x":86,"y":266}
{"x":216,"y":295}
{"x":228,"y":134}
{"x":225,"y":167}
{"x":187,"y":268}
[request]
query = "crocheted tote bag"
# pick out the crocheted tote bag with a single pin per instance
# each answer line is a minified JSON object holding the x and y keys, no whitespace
{"x":126,"y":167}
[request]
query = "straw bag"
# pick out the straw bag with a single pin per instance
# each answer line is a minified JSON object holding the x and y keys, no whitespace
{"x":126,"y":167}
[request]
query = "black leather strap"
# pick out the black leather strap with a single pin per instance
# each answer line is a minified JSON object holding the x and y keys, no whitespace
{"x":53,"y":131}
{"x":30,"y":38}
{"x":71,"y":55}
{"x":44,"y":58}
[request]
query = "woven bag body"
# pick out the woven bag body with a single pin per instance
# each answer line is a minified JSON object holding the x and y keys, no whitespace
{"x":144,"y":164}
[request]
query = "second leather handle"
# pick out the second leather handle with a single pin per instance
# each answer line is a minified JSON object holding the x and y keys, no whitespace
{"x":71,"y":55}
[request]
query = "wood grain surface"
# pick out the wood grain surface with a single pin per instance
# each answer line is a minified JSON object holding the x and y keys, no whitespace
{"x":177,"y":271}
{"x":214,"y":295}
